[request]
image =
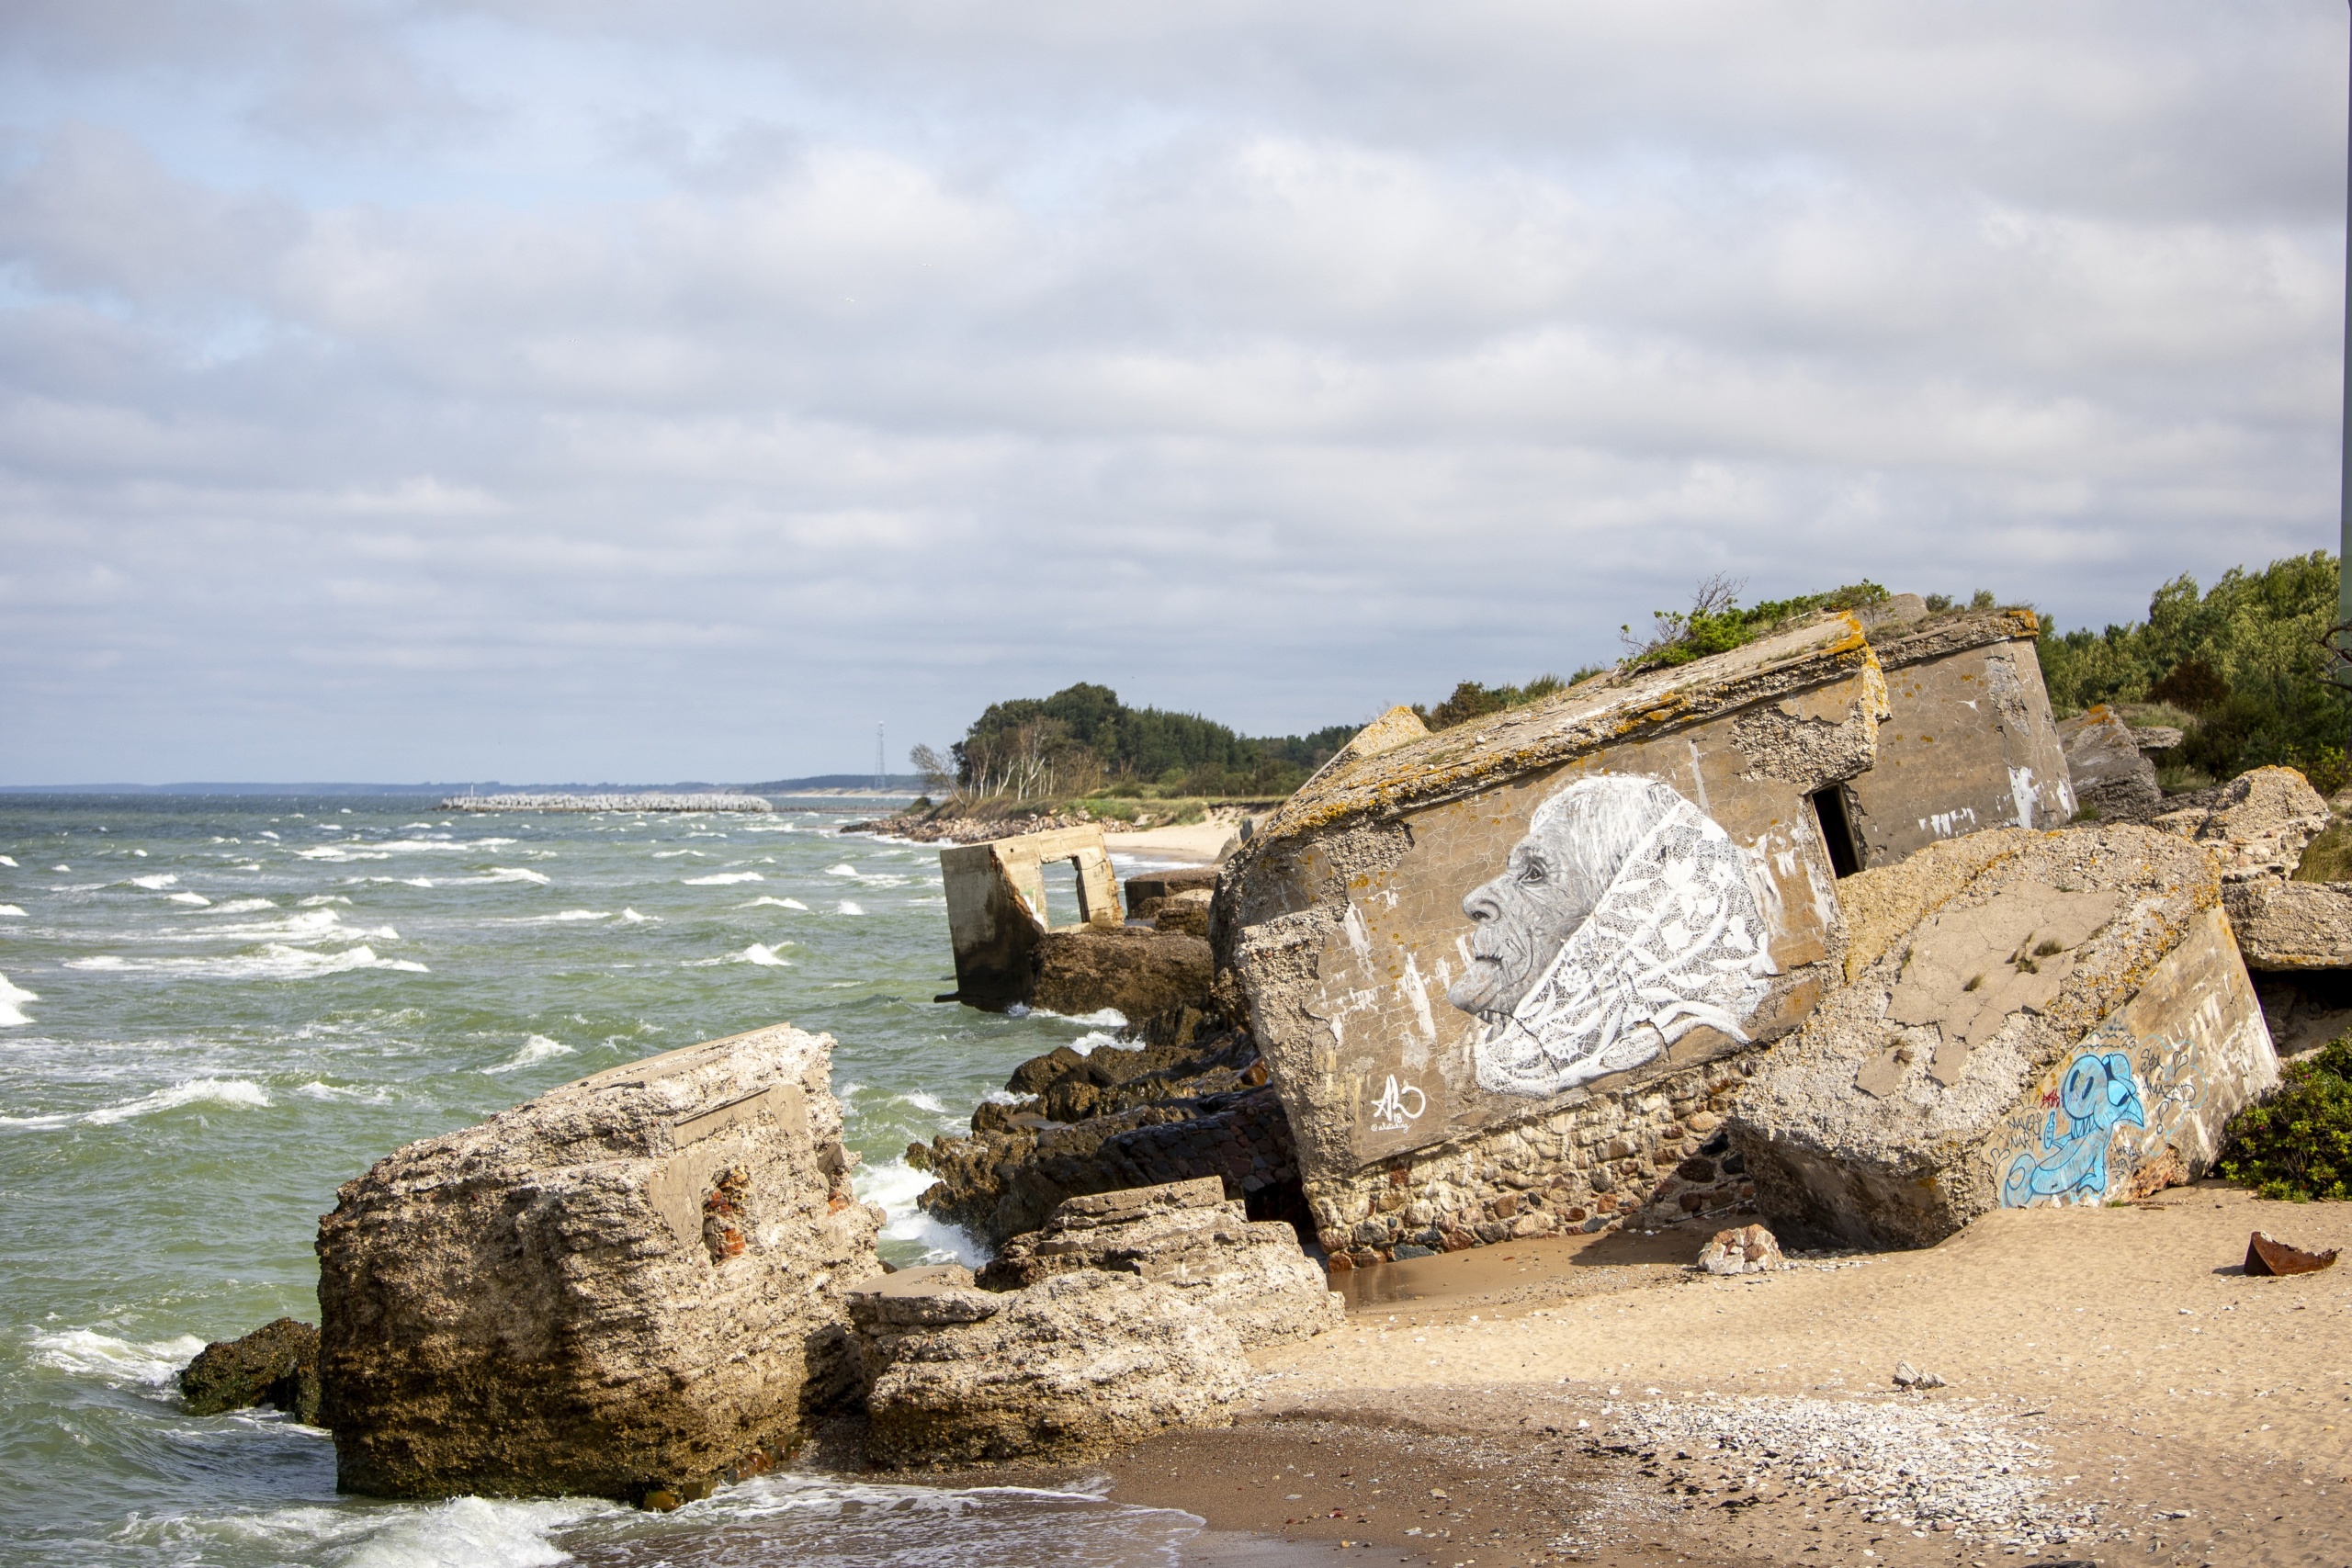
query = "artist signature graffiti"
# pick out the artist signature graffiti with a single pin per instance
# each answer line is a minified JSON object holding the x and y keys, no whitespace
{"x":1389,"y":1114}
{"x":2097,"y":1095}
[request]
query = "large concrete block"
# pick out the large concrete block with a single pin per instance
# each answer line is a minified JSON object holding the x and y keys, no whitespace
{"x":630,"y":1284}
{"x":2054,"y":1016}
{"x":1969,"y":743}
{"x":1589,"y":902}
{"x":2110,"y":768}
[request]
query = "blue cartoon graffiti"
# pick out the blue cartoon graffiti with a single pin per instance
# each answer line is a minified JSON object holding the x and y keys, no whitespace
{"x":2096,"y":1096}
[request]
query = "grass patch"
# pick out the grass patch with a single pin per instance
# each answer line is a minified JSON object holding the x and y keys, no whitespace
{"x":2296,"y":1142}
{"x":2329,"y":857}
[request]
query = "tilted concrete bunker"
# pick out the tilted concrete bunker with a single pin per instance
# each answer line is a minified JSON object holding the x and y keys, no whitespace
{"x":996,"y":917}
{"x":1500,"y":971}
{"x":1969,"y":743}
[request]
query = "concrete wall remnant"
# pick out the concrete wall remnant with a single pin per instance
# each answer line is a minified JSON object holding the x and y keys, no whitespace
{"x":1475,"y":948}
{"x":997,"y":916}
{"x":2066,"y":1020}
{"x":1970,"y":743}
{"x":633,"y":1285}
{"x":2112,"y":772}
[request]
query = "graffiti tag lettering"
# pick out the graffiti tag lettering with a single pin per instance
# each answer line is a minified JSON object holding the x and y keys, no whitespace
{"x":2097,"y":1095}
{"x":1388,"y":1112}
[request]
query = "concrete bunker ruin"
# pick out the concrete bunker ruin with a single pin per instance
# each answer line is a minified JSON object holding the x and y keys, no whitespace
{"x":1513,"y":977}
{"x":996,"y":912}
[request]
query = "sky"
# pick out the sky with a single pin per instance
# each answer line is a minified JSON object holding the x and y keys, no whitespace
{"x":435,"y":389}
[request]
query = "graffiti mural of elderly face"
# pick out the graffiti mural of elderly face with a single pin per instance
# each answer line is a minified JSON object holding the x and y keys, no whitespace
{"x":1621,"y":922}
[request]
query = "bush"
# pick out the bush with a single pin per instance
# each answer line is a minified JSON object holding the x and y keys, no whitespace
{"x":2242,"y":660}
{"x":2296,"y":1143}
{"x":1716,"y":623}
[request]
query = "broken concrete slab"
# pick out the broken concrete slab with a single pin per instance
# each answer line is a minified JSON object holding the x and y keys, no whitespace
{"x":2112,"y":774}
{"x":1426,"y":1004}
{"x":1146,"y":889}
{"x":1187,"y":1236}
{"x":997,"y":915}
{"x":2292,"y":925}
{"x":2108,"y":1035}
{"x":1068,"y":1369}
{"x":1969,"y":742}
{"x":631,"y":1284}
{"x":2258,"y":824}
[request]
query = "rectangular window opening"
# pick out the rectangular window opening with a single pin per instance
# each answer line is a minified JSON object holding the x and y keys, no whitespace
{"x":1836,"y":830}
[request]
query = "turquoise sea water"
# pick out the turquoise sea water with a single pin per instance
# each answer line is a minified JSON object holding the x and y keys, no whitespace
{"x":214,"y":1010}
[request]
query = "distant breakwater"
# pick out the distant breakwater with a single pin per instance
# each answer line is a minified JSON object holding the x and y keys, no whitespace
{"x":605,"y":803}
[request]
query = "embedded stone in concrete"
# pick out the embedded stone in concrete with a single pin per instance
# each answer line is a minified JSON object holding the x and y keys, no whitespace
{"x":632,"y":1284}
{"x":1911,"y":1101}
{"x":1969,"y":743}
{"x":2292,"y":925}
{"x":1067,"y":1369}
{"x":1187,"y":1236}
{"x":2258,"y":824}
{"x":997,"y":916}
{"x":1187,"y":912}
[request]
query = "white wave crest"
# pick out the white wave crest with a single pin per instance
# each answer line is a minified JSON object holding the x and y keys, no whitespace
{"x":633,"y":918}
{"x":724,"y":879}
{"x":510,"y":874}
{"x":123,"y":1363}
{"x":849,"y":907}
{"x":319,"y":900}
{"x":536,"y":1048}
{"x":155,"y":884}
{"x":196,"y":1091}
{"x":197,"y":900}
{"x":252,"y":906}
{"x":11,"y":911}
{"x":843,"y":870}
{"x":769,"y":901}
{"x":464,"y":1532}
{"x":8,"y":860}
{"x":11,"y":1015}
{"x":275,"y":961}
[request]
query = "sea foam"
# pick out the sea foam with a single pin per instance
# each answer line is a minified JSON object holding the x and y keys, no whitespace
{"x":724,"y":879}
{"x":196,"y":1091}
{"x":121,"y":1363}
{"x":10,"y":1014}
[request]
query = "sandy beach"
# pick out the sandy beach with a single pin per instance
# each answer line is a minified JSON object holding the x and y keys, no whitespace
{"x":1202,"y":842}
{"x":2116,"y":1389}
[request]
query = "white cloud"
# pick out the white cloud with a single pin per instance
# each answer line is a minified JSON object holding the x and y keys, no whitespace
{"x":630,"y":391}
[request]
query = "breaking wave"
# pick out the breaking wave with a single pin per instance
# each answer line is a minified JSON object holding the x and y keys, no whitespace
{"x":196,"y":1091}
{"x":724,"y":879}
{"x":536,"y":1048}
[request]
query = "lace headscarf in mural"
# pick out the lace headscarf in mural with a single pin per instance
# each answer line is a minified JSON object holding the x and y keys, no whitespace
{"x":1676,"y":940}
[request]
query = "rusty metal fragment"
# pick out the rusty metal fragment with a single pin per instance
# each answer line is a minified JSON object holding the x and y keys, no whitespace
{"x":2265,"y":1254}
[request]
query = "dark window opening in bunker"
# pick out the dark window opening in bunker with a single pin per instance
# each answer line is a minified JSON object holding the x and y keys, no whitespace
{"x":1836,"y":830}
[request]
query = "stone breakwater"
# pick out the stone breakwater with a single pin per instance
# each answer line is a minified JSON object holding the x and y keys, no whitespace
{"x":713,"y":802}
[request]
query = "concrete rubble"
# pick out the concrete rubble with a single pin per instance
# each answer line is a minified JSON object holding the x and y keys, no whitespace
{"x":2257,"y":825}
{"x":1194,"y":1103}
{"x":1751,"y":1249}
{"x":631,"y":1287}
{"x":2109,"y":762}
{"x":1188,"y":1236}
{"x":1067,"y":1369}
{"x":2029,"y":1018}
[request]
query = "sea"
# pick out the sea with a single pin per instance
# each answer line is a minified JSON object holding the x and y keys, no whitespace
{"x":214,"y":1010}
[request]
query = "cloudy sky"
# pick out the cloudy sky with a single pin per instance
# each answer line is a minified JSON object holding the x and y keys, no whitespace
{"x":538,"y":390}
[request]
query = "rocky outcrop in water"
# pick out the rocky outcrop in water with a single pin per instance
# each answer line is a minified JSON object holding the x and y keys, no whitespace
{"x":1139,"y":973}
{"x":277,"y":1364}
{"x":1188,"y":1236}
{"x":630,"y":1288}
{"x":1195,"y":1104}
{"x":1068,"y":1369}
